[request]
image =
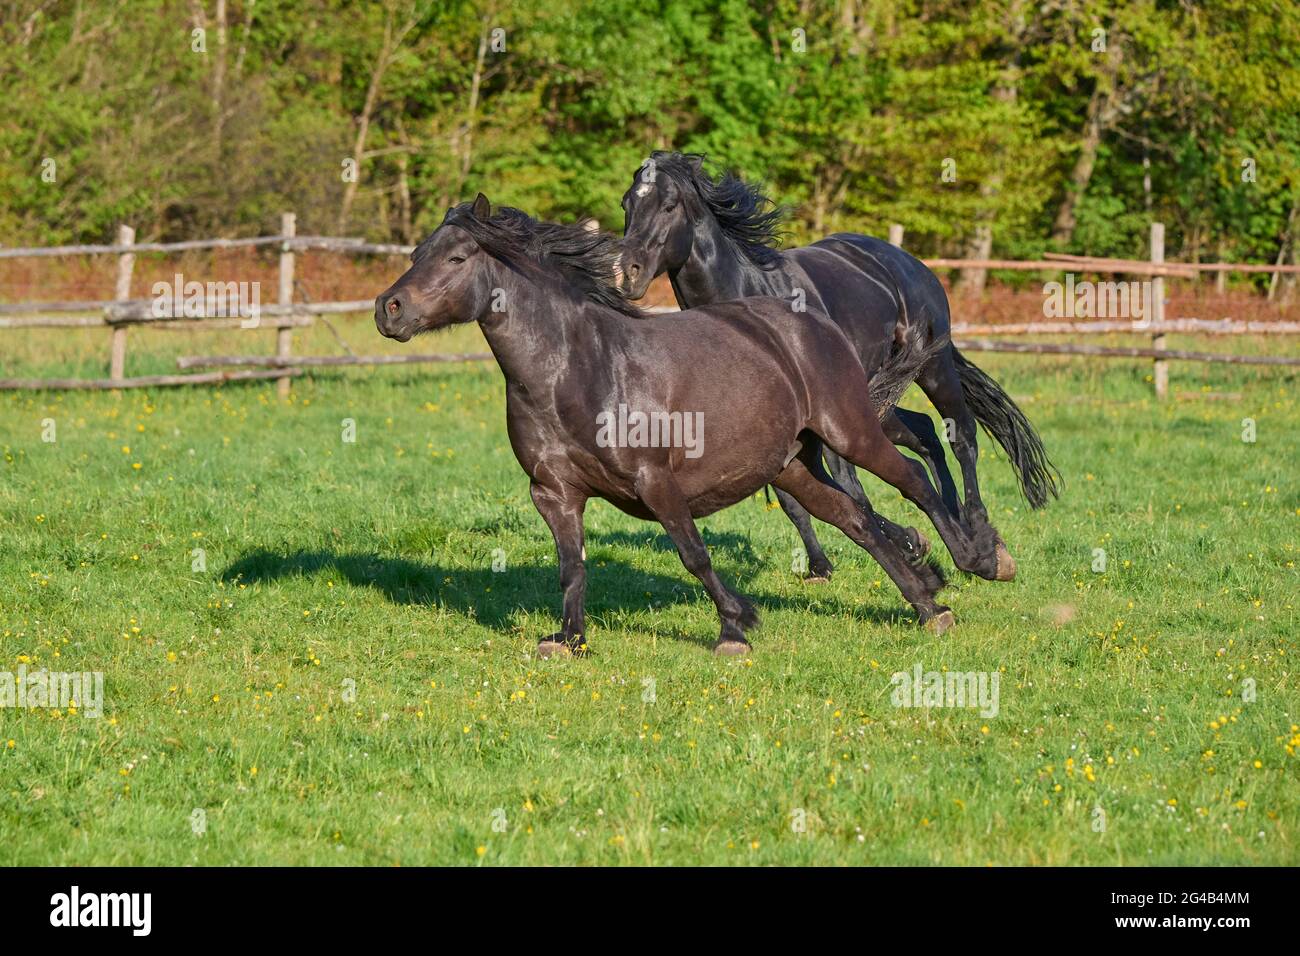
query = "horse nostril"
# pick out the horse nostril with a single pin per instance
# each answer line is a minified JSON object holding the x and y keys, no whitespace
{"x":394,"y":307}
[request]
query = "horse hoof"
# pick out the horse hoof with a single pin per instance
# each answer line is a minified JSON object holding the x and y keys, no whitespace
{"x":940,"y":622}
{"x":1006,"y":564}
{"x":731,"y":649}
{"x":546,"y":649}
{"x":817,"y":579}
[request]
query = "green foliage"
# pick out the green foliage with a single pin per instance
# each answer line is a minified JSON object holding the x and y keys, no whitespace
{"x":848,"y":110}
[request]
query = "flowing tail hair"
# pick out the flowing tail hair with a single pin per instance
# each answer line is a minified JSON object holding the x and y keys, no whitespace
{"x":899,"y":371}
{"x":1007,"y":424}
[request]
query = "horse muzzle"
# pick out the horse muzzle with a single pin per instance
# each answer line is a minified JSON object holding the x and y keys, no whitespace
{"x":390,"y":317}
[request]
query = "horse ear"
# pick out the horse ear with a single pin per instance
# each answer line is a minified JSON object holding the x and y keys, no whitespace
{"x":482,"y":209}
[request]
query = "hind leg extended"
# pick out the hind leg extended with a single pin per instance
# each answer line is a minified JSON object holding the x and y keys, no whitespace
{"x":910,"y":541}
{"x":807,"y":480}
{"x":939,"y":380}
{"x":819,"y":566}
{"x":915,"y":432}
{"x":659,"y":493}
{"x":855,"y":433}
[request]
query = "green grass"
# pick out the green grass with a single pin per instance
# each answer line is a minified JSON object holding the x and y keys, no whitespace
{"x":329,"y":563}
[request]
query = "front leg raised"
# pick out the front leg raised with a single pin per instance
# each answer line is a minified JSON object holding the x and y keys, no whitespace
{"x":561,"y":508}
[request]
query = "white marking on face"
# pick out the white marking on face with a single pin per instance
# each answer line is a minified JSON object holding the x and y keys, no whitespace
{"x":644,"y":188}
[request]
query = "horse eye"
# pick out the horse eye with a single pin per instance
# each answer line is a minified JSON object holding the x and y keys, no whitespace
{"x":456,"y":259}
{"x":669,"y":207}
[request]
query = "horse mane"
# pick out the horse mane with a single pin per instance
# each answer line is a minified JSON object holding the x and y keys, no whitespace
{"x":747,"y":216}
{"x":585,"y":258}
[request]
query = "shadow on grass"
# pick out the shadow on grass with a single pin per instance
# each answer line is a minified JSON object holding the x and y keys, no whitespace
{"x":492,"y":597}
{"x":725,"y":547}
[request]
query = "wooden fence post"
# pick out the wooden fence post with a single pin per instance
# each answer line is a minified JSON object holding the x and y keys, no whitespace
{"x":121,"y":293}
{"x":284,"y":335}
{"x":896,"y":234}
{"x":1160,"y":367}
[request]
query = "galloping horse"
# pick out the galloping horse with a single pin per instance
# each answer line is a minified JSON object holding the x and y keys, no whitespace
{"x":716,"y":240}
{"x":771,"y":392}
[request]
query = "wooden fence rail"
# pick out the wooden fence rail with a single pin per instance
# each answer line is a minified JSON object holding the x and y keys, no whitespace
{"x":143,"y":381}
{"x":324,"y":361}
{"x":1102,"y":351}
{"x":285,"y":240}
{"x":119,"y":314}
{"x":1169,"y":326}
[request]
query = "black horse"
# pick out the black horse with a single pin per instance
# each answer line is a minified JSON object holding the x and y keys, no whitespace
{"x":716,"y":240}
{"x":575,"y":352}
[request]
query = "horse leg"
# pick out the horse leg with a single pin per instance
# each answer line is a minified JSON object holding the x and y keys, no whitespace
{"x":807,"y":480}
{"x":855,"y":433}
{"x":910,"y":541}
{"x":819,"y":566}
{"x":914,"y":545}
{"x":661,"y":495}
{"x":915,"y":431}
{"x":561,"y":508}
{"x":939,"y":380}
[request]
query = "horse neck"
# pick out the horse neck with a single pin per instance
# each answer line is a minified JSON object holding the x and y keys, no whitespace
{"x":716,"y":270}
{"x":528,"y":338}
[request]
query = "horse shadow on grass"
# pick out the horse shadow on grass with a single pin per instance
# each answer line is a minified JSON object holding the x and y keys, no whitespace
{"x":491,"y":598}
{"x":731,"y":553}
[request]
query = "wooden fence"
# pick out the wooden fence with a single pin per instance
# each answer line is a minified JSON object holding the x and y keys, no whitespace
{"x":1155,"y":325}
{"x":122,"y":312}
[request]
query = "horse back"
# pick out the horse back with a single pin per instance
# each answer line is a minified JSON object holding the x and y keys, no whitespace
{"x":883,"y":299}
{"x":804,"y":342}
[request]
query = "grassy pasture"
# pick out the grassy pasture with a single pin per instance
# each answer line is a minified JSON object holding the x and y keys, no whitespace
{"x":346,"y":680}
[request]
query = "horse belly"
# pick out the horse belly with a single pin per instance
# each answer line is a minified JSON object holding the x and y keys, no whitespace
{"x":734,"y":474}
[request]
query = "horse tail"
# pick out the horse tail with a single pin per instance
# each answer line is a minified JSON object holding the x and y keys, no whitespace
{"x":899,"y":370}
{"x":1005,"y":422}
